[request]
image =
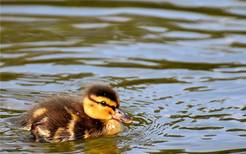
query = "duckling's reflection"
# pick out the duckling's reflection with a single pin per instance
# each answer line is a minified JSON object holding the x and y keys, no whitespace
{"x":60,"y":147}
{"x":101,"y":145}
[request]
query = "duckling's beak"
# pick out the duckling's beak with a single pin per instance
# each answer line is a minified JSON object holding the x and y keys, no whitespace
{"x":121,"y":116}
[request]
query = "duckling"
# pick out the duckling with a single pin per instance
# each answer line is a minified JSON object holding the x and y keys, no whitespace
{"x":64,"y":118}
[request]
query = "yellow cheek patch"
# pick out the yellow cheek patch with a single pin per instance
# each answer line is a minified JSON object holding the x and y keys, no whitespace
{"x":108,"y":110}
{"x":97,"y":111}
{"x":39,"y":112}
{"x":102,"y":112}
{"x":104,"y":99}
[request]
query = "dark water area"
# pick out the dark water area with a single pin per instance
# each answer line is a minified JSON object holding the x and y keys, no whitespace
{"x":179,"y":68}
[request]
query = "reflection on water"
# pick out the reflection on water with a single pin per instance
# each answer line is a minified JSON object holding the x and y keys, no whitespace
{"x":179,"y":67}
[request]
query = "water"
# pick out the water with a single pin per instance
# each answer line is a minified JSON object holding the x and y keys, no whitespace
{"x":179,"y":68}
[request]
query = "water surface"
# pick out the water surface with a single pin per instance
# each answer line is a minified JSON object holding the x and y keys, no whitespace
{"x":179,"y":68}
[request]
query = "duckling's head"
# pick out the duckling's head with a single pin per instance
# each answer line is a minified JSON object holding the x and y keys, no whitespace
{"x":101,"y":102}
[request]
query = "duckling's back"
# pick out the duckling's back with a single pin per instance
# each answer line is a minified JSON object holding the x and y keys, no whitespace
{"x":59,"y":118}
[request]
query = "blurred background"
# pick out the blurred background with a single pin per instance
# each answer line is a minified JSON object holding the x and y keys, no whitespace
{"x":179,"y":67}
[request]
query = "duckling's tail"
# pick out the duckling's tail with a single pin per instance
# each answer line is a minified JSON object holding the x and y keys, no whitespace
{"x":19,"y":121}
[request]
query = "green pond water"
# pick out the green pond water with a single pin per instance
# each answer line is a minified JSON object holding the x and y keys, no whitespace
{"x":179,"y":67}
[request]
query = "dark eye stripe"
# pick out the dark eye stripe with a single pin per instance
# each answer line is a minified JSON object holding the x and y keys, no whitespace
{"x":103,"y":103}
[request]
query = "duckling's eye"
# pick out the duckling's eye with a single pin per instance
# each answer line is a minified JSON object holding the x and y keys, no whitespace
{"x":103,"y":103}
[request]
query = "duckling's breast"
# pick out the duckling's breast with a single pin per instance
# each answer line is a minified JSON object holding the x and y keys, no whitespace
{"x":113,"y":127}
